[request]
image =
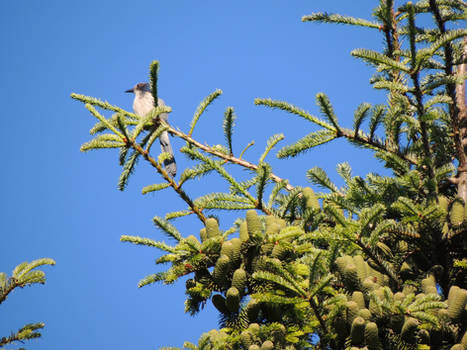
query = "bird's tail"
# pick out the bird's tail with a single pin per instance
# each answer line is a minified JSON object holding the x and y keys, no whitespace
{"x":169,"y":164}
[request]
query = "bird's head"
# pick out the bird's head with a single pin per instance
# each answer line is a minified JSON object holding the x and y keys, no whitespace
{"x":140,"y":87}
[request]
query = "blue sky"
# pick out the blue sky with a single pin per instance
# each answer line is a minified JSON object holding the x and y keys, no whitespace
{"x":63,"y":204}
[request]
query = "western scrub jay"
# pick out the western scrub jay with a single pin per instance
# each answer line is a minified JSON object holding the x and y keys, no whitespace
{"x":142,"y":105}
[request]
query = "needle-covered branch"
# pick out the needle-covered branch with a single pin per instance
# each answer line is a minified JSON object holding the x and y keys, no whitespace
{"x":183,"y":195}
{"x":226,"y":157}
{"x":29,"y":331}
{"x":25,"y":274}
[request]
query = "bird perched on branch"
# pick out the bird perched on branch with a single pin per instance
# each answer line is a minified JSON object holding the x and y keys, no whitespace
{"x":142,"y":105}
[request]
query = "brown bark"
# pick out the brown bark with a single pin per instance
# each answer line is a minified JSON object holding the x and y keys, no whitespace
{"x":462,"y":118}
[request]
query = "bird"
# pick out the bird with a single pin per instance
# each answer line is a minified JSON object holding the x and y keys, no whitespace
{"x":143,"y":103}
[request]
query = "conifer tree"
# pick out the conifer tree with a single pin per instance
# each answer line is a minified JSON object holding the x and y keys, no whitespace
{"x":25,"y":274}
{"x":379,"y":263}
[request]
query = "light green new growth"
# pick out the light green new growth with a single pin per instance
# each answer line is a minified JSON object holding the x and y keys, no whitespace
{"x":22,"y":276}
{"x":294,"y":110}
{"x":272,"y":141}
{"x":339,"y":19}
{"x":377,"y":59}
{"x":313,"y":139}
{"x":202,"y":107}
{"x":25,"y":274}
{"x":153,"y":188}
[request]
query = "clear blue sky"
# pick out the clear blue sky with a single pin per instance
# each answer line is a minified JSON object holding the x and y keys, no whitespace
{"x":59,"y":203}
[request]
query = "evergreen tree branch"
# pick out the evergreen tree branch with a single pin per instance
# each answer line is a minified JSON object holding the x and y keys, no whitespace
{"x":147,"y":242}
{"x":224,"y":156}
{"x":263,"y":175}
{"x":377,"y":59}
{"x":294,"y":110}
{"x":103,"y":120}
{"x":369,"y":252}
{"x":153,"y":75}
{"x":415,"y":76}
{"x":104,"y":105}
{"x":160,"y":169}
{"x":155,"y":187}
{"x":221,"y":170}
{"x":202,"y":107}
{"x":272,"y":141}
{"x":27,"y":332}
{"x":323,"y":325}
{"x":307,"y":142}
{"x":245,"y":149}
{"x":229,"y":122}
{"x":23,"y":276}
{"x":339,"y":19}
{"x":367,"y":141}
{"x":326,"y":109}
{"x":359,"y":137}
{"x":186,"y":137}
{"x":359,"y":116}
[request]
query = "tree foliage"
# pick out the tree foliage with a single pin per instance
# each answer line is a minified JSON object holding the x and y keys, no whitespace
{"x":379,"y":263}
{"x":25,"y":274}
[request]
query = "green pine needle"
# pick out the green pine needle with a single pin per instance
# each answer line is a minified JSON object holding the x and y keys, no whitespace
{"x":128,"y":170}
{"x":359,"y":115}
{"x":104,"y":105}
{"x":391,"y":86}
{"x":198,"y":171}
{"x":107,"y":123}
{"x":377,"y":117}
{"x":326,"y":109}
{"x":178,"y":214}
{"x":201,"y":108}
{"x":153,"y":76}
{"x":155,"y":187}
{"x":294,"y":110}
{"x":272,"y":141}
{"x":217,"y":165}
{"x":319,"y":177}
{"x":167,"y":228}
{"x":228,"y":124}
{"x":378,"y":59}
{"x":155,"y":135}
{"x":156,"y":277}
{"x":103,"y":141}
{"x":324,"y":17}
{"x":304,"y":144}
{"x":275,"y":191}
{"x":263,"y":175}
{"x":147,"y":242}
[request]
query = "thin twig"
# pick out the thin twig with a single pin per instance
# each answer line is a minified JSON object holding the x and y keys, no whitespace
{"x":169,"y":180}
{"x":224,"y":156}
{"x":350,"y":134}
{"x":318,"y":316}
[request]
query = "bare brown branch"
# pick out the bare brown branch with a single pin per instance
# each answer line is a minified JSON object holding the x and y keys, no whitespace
{"x":224,"y":156}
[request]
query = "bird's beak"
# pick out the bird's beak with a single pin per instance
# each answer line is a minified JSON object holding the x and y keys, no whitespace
{"x":130,"y":90}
